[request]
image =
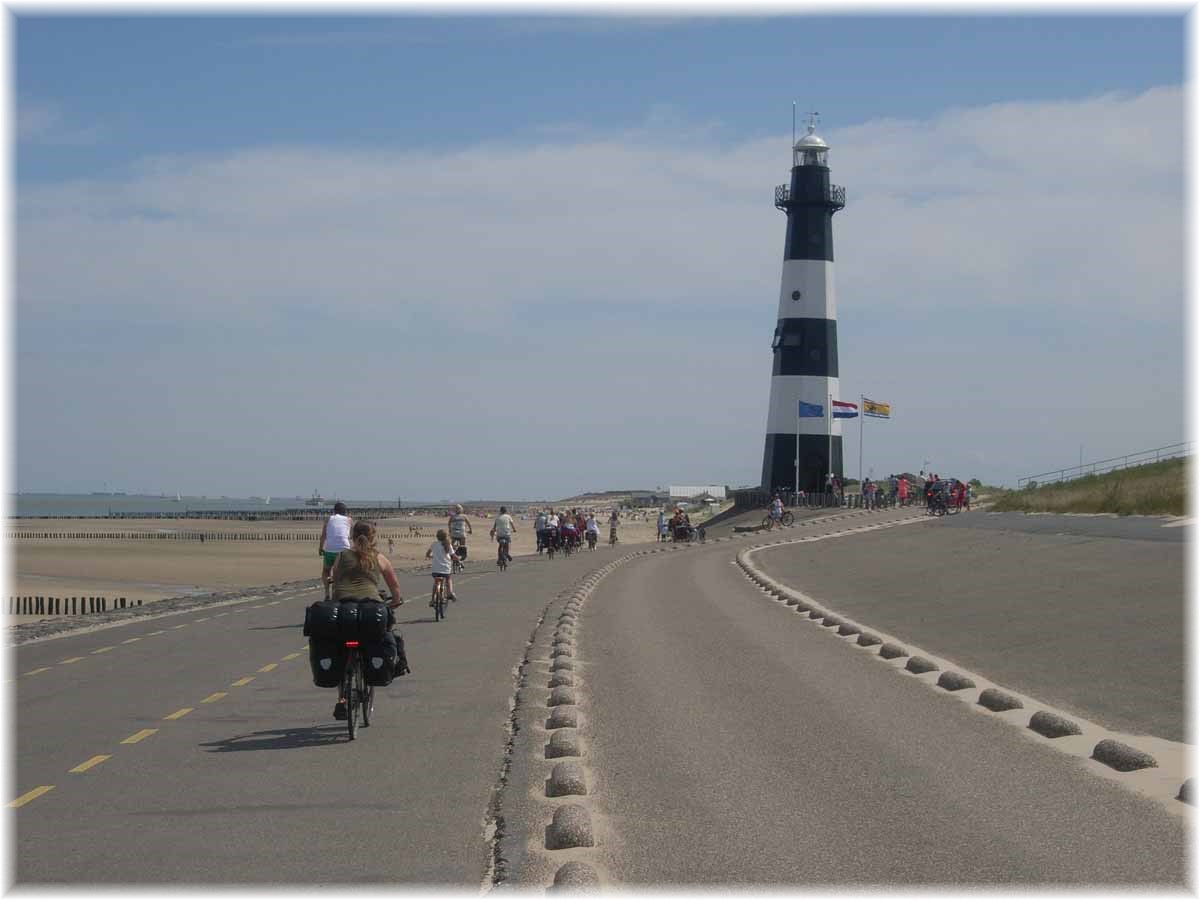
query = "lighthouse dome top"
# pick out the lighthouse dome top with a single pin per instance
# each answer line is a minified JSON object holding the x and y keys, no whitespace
{"x":810,"y":150}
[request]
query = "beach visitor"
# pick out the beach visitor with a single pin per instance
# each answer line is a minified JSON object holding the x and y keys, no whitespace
{"x":441,"y":551}
{"x":593,"y":530}
{"x":539,"y":529}
{"x":335,"y":537}
{"x":612,"y":526}
{"x":902,"y":490}
{"x":357,"y":574}
{"x":662,"y":525}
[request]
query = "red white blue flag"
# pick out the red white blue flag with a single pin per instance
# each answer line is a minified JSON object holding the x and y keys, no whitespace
{"x":844,"y":410}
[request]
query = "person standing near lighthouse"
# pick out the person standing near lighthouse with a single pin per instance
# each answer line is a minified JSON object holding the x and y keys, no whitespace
{"x":801,"y":448}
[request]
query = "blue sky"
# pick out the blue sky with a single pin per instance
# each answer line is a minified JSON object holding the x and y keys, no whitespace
{"x":212,"y":212}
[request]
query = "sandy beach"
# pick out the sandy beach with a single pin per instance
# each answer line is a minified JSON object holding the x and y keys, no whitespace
{"x":153,"y":569}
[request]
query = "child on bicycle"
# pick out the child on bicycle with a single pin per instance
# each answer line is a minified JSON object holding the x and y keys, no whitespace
{"x":443,"y":556}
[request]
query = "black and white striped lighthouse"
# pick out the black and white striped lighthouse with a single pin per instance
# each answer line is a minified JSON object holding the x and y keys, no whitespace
{"x":805,"y":365}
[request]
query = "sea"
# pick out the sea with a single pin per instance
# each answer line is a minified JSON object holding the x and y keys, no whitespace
{"x":28,"y":505}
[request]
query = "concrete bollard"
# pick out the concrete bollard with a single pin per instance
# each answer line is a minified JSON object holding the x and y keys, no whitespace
{"x":74,"y":611}
{"x":139,"y":603}
{"x":103,"y":604}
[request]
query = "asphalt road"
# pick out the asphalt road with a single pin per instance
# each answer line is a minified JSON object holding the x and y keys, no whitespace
{"x":258,"y":783}
{"x":729,"y":742}
{"x":1085,"y":613}
{"x":724,"y":741}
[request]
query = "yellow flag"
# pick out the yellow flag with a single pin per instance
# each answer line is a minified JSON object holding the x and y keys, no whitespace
{"x":877,"y":409}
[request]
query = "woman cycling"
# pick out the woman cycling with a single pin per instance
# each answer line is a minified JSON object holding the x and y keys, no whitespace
{"x":356,"y":575}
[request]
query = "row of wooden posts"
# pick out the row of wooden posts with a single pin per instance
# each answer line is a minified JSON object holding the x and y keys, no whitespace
{"x":57,"y":606}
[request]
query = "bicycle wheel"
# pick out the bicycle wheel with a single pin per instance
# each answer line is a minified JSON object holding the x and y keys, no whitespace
{"x":352,"y":697}
{"x":368,"y":705}
{"x":788,"y":518}
{"x":768,"y":523}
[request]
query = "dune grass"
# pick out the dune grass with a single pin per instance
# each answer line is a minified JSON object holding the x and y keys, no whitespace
{"x":1154,"y":489}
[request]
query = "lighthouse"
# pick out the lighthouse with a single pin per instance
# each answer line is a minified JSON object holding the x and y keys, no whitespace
{"x":804,"y":367}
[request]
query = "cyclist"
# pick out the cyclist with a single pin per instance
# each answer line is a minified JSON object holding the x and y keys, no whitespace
{"x":442,"y":553}
{"x":335,"y":537}
{"x":539,"y":528}
{"x":503,"y":530}
{"x":776,"y":512}
{"x":356,"y":575}
{"x":459,"y":526}
{"x":593,"y":530}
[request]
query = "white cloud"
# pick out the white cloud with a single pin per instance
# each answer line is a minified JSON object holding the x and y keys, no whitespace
{"x":1075,"y":205}
{"x":42,"y":122}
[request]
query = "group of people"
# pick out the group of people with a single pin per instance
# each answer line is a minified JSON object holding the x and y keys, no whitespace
{"x":567,"y":530}
{"x":677,"y":528}
{"x":956,"y":494}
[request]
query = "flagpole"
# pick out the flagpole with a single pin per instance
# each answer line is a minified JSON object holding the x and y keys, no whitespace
{"x":862,"y":405}
{"x":794,"y":501}
{"x":829,"y":434}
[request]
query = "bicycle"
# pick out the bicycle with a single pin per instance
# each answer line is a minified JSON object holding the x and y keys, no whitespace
{"x":502,"y":553}
{"x":354,"y":688}
{"x":770,"y":521}
{"x":612,"y":537}
{"x":460,"y":554}
{"x":591,"y":538}
{"x":439,"y":598}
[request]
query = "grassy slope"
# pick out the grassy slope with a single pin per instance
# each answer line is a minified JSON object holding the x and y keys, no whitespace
{"x":1155,"y":489}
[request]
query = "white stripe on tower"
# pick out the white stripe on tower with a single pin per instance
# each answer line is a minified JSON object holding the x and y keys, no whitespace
{"x":805,"y":362}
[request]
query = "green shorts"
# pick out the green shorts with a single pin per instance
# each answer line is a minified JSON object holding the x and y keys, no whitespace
{"x":330,"y":557}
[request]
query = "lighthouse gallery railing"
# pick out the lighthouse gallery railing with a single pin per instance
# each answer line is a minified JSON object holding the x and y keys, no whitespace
{"x":835,"y":196}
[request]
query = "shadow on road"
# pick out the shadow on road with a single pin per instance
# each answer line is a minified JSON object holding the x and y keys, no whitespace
{"x":281,"y":739}
{"x":275,"y":627}
{"x":430,"y":620}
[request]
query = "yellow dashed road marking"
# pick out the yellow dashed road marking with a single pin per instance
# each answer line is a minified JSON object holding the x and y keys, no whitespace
{"x":242,"y":682}
{"x":291,"y":656}
{"x":38,"y":671}
{"x":32,"y":795}
{"x":179,"y":713}
{"x":213,"y":698}
{"x":140,"y":736}
{"x":268,"y":667}
{"x":131,"y":640}
{"x":73,"y":659}
{"x":94,"y":761}
{"x":104,"y":649}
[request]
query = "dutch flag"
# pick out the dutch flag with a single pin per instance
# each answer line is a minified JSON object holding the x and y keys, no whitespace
{"x":844,"y":410}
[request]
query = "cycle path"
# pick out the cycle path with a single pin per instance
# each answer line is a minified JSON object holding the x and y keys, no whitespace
{"x":203,"y":754}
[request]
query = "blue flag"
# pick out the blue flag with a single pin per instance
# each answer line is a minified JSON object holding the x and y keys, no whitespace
{"x":811,"y":410}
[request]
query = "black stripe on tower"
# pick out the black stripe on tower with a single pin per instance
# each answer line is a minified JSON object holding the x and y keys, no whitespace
{"x":810,"y":204}
{"x":805,"y":347}
{"x":779,"y":461}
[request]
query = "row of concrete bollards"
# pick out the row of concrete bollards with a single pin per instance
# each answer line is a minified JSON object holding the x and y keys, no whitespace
{"x":57,"y":606}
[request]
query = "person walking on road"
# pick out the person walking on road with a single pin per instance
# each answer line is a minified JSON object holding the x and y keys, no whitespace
{"x":902,"y":490}
{"x":335,"y":537}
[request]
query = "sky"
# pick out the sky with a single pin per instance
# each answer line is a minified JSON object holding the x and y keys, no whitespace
{"x":525,"y":256}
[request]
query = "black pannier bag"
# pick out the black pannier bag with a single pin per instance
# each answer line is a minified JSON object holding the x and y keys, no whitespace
{"x":347,"y":620}
{"x":379,"y":661}
{"x":327,"y":657}
{"x":372,"y":620}
{"x":401,"y":657}
{"x":320,"y":619}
